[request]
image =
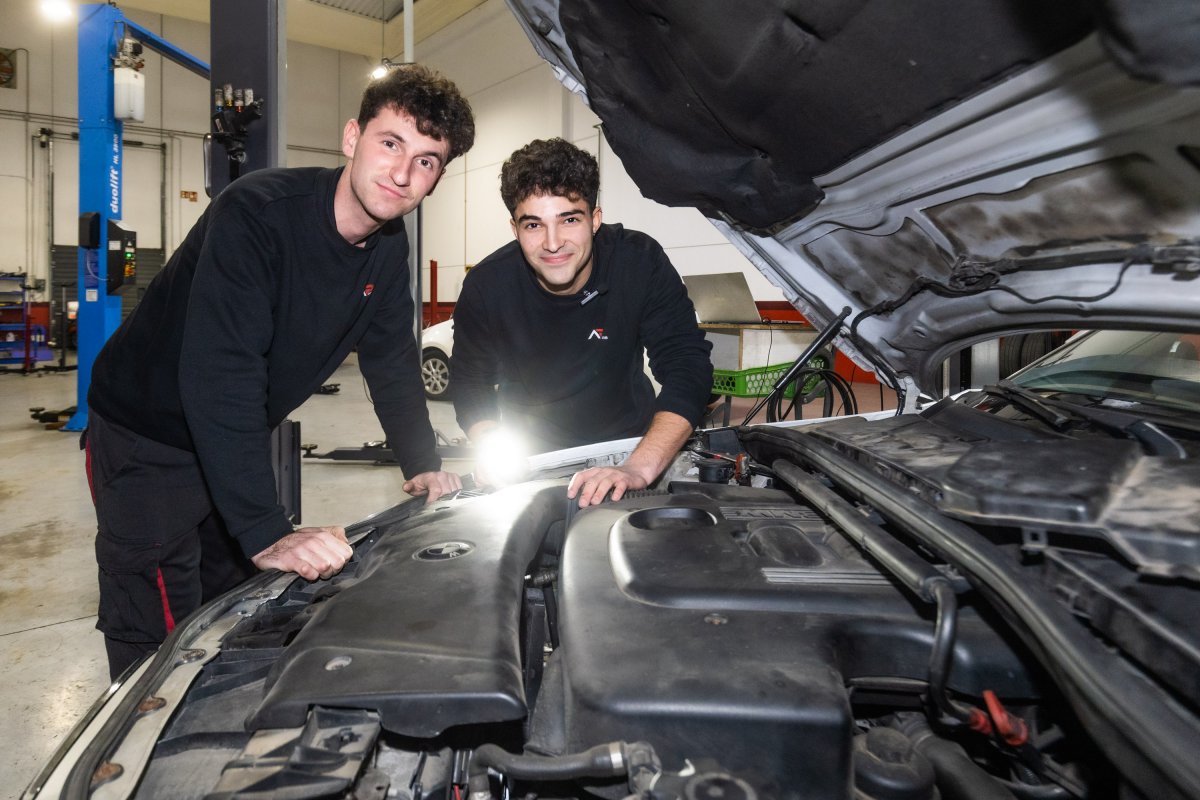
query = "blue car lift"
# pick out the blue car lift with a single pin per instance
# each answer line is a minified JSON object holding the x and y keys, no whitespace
{"x":102,"y":27}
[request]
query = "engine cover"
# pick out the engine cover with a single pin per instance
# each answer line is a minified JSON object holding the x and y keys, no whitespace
{"x":729,"y":624}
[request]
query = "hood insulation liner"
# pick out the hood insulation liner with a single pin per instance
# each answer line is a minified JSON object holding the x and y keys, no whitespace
{"x":737,"y":111}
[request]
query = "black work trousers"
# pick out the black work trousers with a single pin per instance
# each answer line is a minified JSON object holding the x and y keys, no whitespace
{"x":162,"y":549}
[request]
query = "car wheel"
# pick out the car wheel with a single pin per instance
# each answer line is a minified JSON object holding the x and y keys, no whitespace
{"x":435,"y":374}
{"x":1010,"y":354}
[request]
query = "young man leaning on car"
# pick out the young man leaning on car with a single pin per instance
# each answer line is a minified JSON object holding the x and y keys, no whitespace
{"x":284,"y":274}
{"x":549,"y":330}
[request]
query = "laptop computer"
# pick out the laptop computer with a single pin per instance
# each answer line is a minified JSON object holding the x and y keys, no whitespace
{"x":723,"y":297}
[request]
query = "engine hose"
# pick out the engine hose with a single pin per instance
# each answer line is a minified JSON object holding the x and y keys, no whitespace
{"x":958,"y":777}
{"x":1027,"y":791}
{"x":601,"y":761}
{"x":940,"y":658}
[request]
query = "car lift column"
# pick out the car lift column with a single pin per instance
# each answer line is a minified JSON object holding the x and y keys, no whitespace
{"x":101,"y":30}
{"x":248,"y":43}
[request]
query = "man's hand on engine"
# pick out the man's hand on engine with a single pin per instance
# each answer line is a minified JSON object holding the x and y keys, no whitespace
{"x":311,"y":553}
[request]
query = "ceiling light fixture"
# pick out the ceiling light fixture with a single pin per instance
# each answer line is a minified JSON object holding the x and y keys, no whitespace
{"x":57,"y":10}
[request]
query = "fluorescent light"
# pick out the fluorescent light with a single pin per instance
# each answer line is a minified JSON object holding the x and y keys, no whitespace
{"x":57,"y":10}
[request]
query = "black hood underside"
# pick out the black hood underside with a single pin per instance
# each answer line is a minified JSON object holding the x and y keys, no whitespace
{"x":735,"y":113}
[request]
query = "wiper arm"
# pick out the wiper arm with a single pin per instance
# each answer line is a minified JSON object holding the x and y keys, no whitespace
{"x":1058,"y":414}
{"x":1028,"y":401}
{"x":1154,"y":439}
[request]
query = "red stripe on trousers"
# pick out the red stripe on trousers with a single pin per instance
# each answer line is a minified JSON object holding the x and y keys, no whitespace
{"x":162,"y":590}
{"x":87,"y":466}
{"x":168,"y":617}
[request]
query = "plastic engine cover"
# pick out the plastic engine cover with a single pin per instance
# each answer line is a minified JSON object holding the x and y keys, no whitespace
{"x":728,"y":628}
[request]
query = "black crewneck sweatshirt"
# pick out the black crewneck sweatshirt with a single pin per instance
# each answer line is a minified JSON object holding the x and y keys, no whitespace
{"x":569,"y":372}
{"x":258,"y":306}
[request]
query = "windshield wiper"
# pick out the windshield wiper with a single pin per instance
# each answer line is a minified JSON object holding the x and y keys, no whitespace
{"x":1154,"y":439}
{"x":1028,"y":401}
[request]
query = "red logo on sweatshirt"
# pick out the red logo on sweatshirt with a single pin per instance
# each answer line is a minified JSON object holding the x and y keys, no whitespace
{"x":370,"y":287}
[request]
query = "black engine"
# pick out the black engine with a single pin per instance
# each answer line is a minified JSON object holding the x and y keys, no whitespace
{"x":782,"y":634}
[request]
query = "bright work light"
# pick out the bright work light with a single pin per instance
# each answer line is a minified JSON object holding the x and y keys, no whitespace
{"x":501,"y":458}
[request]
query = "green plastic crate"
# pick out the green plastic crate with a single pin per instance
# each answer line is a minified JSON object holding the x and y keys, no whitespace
{"x":757,"y":381}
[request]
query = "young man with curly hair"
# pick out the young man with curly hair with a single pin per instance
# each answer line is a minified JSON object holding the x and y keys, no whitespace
{"x":549,"y":330}
{"x":285,"y":273}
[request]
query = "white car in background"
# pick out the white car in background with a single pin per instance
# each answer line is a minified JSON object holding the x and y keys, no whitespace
{"x":437,"y":342}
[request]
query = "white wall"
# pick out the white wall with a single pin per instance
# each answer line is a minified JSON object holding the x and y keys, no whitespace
{"x":514,"y":95}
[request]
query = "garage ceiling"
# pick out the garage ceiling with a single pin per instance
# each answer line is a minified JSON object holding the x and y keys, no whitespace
{"x":351,"y":25}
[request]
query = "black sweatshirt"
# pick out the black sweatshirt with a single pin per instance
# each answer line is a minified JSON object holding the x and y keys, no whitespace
{"x":258,"y":306}
{"x":568,"y":372}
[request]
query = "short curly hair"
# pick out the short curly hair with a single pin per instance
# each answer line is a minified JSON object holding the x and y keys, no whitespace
{"x":549,"y":167}
{"x":432,"y":100}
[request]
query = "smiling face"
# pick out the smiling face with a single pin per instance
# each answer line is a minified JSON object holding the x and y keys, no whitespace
{"x":555,"y":234}
{"x":392,"y":167}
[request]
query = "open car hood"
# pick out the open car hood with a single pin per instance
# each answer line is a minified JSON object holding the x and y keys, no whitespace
{"x":948,"y":176}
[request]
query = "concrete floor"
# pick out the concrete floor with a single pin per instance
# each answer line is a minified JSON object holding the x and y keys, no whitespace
{"x":52,"y":663}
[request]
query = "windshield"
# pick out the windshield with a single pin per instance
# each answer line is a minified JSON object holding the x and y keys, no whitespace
{"x":1162,"y":369}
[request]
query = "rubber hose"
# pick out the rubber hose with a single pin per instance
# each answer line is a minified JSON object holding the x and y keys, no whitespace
{"x":601,"y":761}
{"x":958,"y":777}
{"x":1026,"y":791}
{"x":942,"y":654}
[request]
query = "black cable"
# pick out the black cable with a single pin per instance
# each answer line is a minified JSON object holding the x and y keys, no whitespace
{"x":1106,"y":293}
{"x":988,"y":279}
{"x":824,"y":337}
{"x":833,"y":382}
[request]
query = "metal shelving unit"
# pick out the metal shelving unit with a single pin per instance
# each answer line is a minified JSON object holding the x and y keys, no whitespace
{"x":21,"y":341}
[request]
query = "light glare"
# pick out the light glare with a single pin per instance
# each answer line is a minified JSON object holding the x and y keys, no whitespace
{"x":501,"y":458}
{"x":57,"y":10}
{"x":379,"y":72}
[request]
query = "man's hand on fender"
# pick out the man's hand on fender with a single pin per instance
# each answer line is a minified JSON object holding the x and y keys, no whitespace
{"x":668,"y":431}
{"x":433,"y":485}
{"x":591,"y":485}
{"x":311,"y":553}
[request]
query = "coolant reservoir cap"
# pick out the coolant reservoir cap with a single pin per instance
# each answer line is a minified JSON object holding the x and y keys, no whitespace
{"x":888,"y":767}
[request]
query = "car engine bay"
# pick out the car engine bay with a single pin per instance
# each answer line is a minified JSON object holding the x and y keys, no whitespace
{"x":836,"y":611}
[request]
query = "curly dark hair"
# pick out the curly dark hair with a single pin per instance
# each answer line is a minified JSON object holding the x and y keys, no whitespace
{"x":432,"y":100}
{"x":549,"y":166}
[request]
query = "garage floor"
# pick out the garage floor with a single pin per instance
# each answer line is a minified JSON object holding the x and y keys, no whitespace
{"x":52,"y":662}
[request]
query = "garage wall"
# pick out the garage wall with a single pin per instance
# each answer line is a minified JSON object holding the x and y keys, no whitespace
{"x":514,"y":94}
{"x":162,"y":154}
